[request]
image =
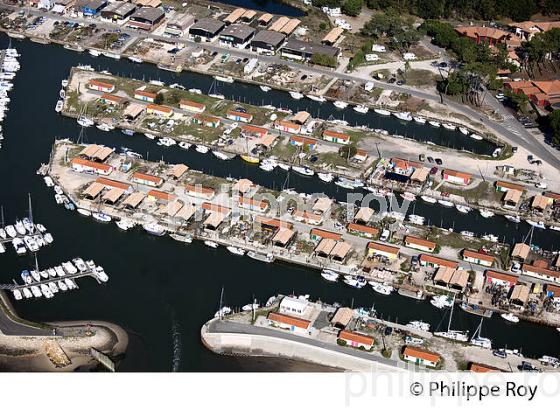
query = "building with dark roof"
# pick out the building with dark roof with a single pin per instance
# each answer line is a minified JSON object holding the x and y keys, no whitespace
{"x":90,"y":7}
{"x":179,"y":24}
{"x":303,"y":50}
{"x":206,"y":29}
{"x":237,"y":35}
{"x":146,"y":18}
{"x":118,"y":11}
{"x":267,"y":42}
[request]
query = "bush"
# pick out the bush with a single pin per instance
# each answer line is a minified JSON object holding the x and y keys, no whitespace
{"x":158,"y":99}
{"x":324,"y":60}
{"x":341,"y":342}
{"x":352,"y":7}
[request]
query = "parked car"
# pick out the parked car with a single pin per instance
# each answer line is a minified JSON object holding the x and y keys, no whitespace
{"x":384,"y":235}
{"x":430,"y":159}
{"x":541,"y":185}
{"x":388,"y":331}
{"x":439,"y":161}
{"x":422,"y":157}
{"x":434,"y":170}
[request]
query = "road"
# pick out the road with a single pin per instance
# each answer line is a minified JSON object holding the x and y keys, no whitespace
{"x":12,"y":328}
{"x":511,"y":130}
{"x":225,"y":326}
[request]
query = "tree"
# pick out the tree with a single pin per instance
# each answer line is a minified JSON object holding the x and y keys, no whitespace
{"x":159,"y":98}
{"x":554,"y":125}
{"x":352,"y":7}
{"x":347,"y":151}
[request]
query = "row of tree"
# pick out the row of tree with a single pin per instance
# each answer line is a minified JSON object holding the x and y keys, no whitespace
{"x":348,"y":7}
{"x":517,"y":10}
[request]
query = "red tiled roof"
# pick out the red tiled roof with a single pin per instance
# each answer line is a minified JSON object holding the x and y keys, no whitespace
{"x":147,"y":177}
{"x":91,"y":164}
{"x":384,"y":248}
{"x":363,"y":228}
{"x":326,"y":234}
{"x":501,"y":276}
{"x":477,"y":255}
{"x":419,"y":241}
{"x":438,"y":261}
{"x":356,"y":337}
{"x":289,"y":320}
{"x":421,"y":354}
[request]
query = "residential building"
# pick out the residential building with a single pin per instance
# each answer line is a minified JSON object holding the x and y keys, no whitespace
{"x":477,"y":257}
{"x":251,"y":131}
{"x":144,"y":96}
{"x":421,"y":356}
{"x":147,"y":179}
{"x":355,"y":339}
{"x":489,"y":35}
{"x":305,"y":142}
{"x":101,"y":86}
{"x":541,"y":93}
{"x":317,"y":234}
{"x":199,"y":191}
{"x":252,"y":204}
{"x":435,"y":262}
{"x":419,"y":243}
{"x":287,"y":126}
{"x":293,"y":324}
{"x":456,"y":177}
{"x":541,"y":273}
{"x":239,"y":116}
{"x":159,"y":110}
{"x":191,"y":106}
{"x":293,"y":306}
{"x":337,"y":137}
{"x":363,"y":230}
{"x":206,"y":120}
{"x":520,"y":251}
{"x":90,"y":167}
{"x":494,"y":278}
{"x":379,"y":249}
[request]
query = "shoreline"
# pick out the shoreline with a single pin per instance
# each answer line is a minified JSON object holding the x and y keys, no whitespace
{"x":66,"y":349}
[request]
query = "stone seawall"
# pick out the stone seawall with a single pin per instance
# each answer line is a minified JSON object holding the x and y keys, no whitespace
{"x":241,"y":344}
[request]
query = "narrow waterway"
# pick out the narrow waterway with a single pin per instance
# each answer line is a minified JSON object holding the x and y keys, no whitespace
{"x":159,"y":290}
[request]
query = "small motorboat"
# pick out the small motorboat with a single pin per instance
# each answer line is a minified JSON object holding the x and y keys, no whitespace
{"x":464,"y":130}
{"x":250,"y":307}
{"x":362,"y":109}
{"x":329,"y":275}
{"x":318,"y":98}
{"x":295,"y":95}
{"x":476,"y":137}
{"x":486,"y":213}
{"x":340,"y":104}
{"x":448,"y":126}
{"x":325,"y":177}
{"x":184,"y":145}
{"x":428,"y":199}
{"x":419,"y":120}
{"x":434,"y":123}
{"x":510,"y":317}
{"x":265,"y":88}
{"x":203,"y":149}
{"x":447,"y":204}
{"x":381,"y":111}
{"x":463,"y":208}
{"x":357,"y":282}
{"x":303,"y":170}
{"x":235,"y":250}
{"x":382,"y":288}
{"x":211,"y":244}
{"x":513,"y":218}
{"x":101,"y":217}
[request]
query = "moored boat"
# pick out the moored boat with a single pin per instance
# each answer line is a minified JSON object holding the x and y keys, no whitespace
{"x":510,"y":317}
{"x":329,"y":275}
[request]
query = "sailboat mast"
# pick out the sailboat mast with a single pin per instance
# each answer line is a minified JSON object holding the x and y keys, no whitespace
{"x":451,"y":314}
{"x":30,"y":209}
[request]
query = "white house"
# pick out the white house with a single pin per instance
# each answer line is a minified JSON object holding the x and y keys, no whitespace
{"x":293,"y":306}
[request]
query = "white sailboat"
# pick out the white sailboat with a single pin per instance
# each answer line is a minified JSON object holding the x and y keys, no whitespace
{"x":457,"y":335}
{"x":478,"y":340}
{"x":381,"y":111}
